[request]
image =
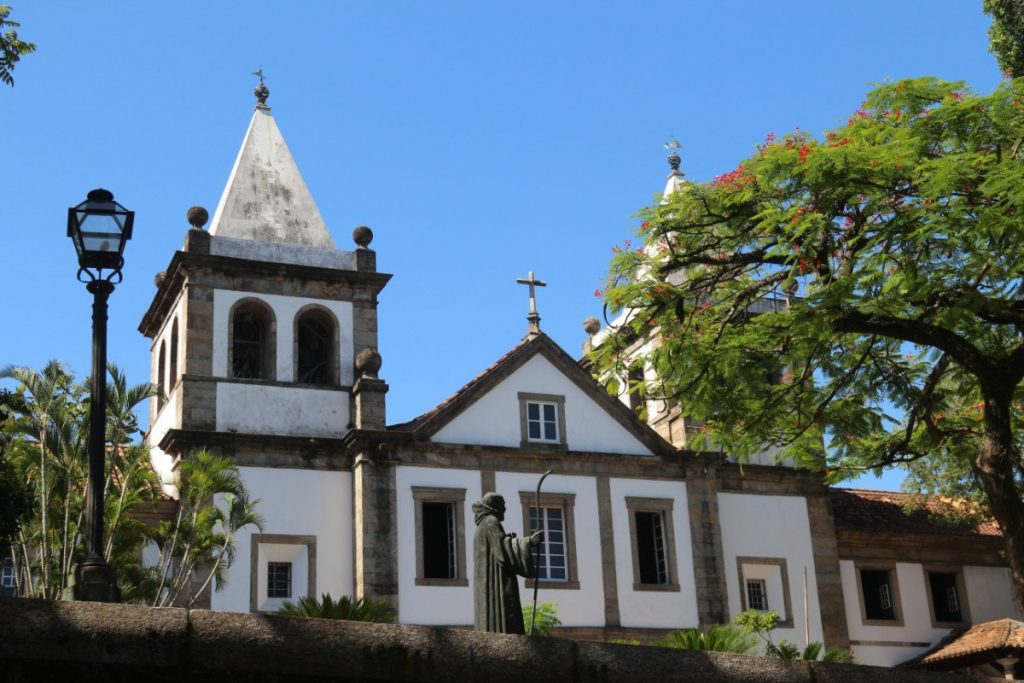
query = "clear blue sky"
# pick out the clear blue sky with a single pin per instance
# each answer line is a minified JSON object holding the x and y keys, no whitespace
{"x":478,"y":140}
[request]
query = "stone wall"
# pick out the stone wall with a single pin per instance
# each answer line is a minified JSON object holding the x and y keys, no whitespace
{"x":44,"y":640}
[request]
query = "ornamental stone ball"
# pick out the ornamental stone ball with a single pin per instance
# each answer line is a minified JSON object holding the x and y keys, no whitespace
{"x":197,"y":217}
{"x":362,"y":236}
{"x":159,"y":278}
{"x":591,"y":325}
{"x":368,"y":362}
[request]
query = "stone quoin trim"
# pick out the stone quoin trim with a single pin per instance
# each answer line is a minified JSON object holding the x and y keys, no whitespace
{"x":662,"y":506}
{"x":779,"y":562}
{"x":430,"y":494}
{"x":559,"y":403}
{"x":609,"y":578}
{"x":255,"y":575}
{"x":567,"y":503}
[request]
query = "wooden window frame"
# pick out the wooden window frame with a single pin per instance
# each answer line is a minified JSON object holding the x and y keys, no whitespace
{"x":566,"y":501}
{"x":894,"y":584}
{"x":561,"y":443}
{"x":433,"y":494}
{"x":664,"y":507}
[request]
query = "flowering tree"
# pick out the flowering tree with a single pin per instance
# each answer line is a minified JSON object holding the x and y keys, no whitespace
{"x":864,"y":291}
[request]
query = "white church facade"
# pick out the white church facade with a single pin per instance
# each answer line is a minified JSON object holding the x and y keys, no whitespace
{"x":264,"y":338}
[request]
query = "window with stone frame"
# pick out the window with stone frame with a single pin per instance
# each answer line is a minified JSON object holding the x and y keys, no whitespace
{"x":636,"y":388}
{"x":651,"y":538}
{"x":879,"y":595}
{"x":542,"y":420}
{"x":440,"y":536}
{"x":948,"y":599}
{"x":279,"y":579}
{"x":557,"y":551}
{"x":316,"y":342}
{"x":252,"y":341}
{"x":8,"y":580}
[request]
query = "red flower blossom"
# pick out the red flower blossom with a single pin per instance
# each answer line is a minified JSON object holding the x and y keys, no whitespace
{"x":956,"y":96}
{"x":598,"y":292}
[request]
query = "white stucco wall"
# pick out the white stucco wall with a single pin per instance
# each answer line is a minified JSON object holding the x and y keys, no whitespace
{"x":162,"y":462}
{"x":576,"y":607}
{"x":494,"y":418}
{"x":297,"y":502}
{"x":990,"y":594}
{"x":764,"y":526}
{"x":285,"y":308}
{"x":293,"y":411}
{"x":656,"y":609}
{"x":437,"y":605}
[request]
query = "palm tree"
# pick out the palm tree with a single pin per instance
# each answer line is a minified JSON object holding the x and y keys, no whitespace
{"x":343,"y":608}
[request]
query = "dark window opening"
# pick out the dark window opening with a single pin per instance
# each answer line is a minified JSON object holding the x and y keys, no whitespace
{"x":315,"y":349}
{"x":945,"y":597}
{"x":650,"y":547}
{"x":440,"y":558}
{"x":279,"y":579}
{"x":637,"y":391}
{"x":172,"y":377}
{"x":161,"y":366}
{"x":879,"y":598}
{"x":250,"y":343}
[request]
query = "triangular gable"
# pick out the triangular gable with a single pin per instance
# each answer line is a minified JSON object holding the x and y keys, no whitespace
{"x":537,"y":365}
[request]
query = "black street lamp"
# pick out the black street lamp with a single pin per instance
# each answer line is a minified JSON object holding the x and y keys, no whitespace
{"x":99,"y":227}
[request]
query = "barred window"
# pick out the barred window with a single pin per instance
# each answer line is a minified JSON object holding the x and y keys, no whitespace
{"x":757,"y":594}
{"x":279,"y":579}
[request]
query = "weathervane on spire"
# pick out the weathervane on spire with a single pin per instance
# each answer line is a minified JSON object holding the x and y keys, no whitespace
{"x":533,"y":318}
{"x":261,"y":91}
{"x":673,"y":158}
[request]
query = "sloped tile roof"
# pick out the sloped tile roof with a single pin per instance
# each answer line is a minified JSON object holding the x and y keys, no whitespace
{"x":864,"y":510}
{"x":995,"y":637}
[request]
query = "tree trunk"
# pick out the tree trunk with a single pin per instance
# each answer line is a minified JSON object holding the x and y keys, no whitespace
{"x":994,"y":467}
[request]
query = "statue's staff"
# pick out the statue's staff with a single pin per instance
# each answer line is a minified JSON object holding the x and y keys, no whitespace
{"x":536,"y":557}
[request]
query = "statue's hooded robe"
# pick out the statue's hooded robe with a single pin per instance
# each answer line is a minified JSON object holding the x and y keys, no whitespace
{"x":498,"y":559}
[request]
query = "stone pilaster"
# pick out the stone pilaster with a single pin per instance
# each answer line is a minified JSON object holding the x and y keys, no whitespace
{"x":608,"y":574}
{"x":706,"y":538}
{"x":375,"y":521}
{"x":825,"y":550}
{"x":368,"y":399}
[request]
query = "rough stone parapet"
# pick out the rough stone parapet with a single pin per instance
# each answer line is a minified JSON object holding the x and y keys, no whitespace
{"x":46,"y":640}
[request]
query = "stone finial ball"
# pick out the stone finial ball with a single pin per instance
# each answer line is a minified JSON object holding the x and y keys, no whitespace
{"x":362,"y":236}
{"x":591,"y":325}
{"x":368,"y":362}
{"x":159,"y":278}
{"x":197,"y":217}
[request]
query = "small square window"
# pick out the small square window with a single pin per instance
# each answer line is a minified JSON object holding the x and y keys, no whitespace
{"x":279,"y":579}
{"x":542,"y":419}
{"x":757,"y":594}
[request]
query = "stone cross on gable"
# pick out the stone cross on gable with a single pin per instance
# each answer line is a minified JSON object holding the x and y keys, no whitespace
{"x":533,"y":318}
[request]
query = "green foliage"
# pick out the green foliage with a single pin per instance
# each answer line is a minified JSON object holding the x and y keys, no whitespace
{"x":213,"y":506}
{"x":761,"y":624}
{"x":43,"y":445}
{"x":343,"y":608}
{"x":546,"y":620}
{"x":1006,"y":35}
{"x":877,"y":266}
{"x":717,"y":638}
{"x":11,"y":47}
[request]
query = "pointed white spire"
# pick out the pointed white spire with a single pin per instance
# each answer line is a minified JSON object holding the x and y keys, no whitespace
{"x":265,"y":198}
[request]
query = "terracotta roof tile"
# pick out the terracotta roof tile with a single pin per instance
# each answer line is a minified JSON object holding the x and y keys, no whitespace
{"x":863,"y":510}
{"x":992,"y":636}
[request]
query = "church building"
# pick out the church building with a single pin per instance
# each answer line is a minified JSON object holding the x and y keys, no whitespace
{"x":264,"y":339}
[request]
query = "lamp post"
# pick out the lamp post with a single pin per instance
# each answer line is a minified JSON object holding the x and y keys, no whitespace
{"x":99,"y":228}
